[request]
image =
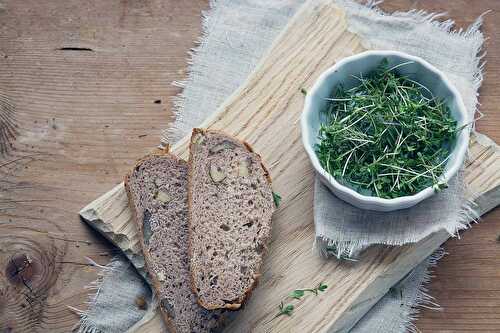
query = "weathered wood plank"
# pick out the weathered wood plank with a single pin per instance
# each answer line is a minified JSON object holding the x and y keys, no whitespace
{"x":265,"y":112}
{"x":71,"y":124}
{"x":140,"y":47}
{"x":484,"y":156}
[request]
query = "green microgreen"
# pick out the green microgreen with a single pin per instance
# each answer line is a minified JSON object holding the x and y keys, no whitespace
{"x":277,"y":199}
{"x":322,"y":287}
{"x":334,"y":251}
{"x":298,"y":293}
{"x":284,"y":310}
{"x":387,"y":136}
{"x":303,"y":91}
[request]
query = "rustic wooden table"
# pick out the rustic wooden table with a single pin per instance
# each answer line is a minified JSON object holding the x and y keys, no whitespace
{"x":85,"y":89}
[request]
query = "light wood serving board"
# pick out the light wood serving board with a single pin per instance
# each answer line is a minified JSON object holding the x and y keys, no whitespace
{"x":265,"y":112}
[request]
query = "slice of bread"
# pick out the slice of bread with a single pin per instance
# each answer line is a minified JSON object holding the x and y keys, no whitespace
{"x":157,"y":193}
{"x":230,"y":206}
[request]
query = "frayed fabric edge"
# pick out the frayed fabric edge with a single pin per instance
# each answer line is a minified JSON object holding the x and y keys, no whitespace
{"x":422,"y":300}
{"x":473,"y":33}
{"x":351,"y":250}
{"x":86,"y":325}
{"x":173,"y":133}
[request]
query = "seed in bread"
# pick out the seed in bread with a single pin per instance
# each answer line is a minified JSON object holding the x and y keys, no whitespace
{"x":157,"y":193}
{"x":230,"y":206}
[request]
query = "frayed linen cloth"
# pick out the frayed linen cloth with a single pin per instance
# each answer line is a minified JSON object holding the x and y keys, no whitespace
{"x":121,"y":298}
{"x":344,"y":230}
{"x":236,"y":34}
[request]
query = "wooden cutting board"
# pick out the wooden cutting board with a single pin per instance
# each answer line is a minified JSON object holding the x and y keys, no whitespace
{"x":265,"y":112}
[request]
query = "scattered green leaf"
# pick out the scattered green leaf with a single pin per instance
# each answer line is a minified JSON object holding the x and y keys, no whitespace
{"x":297,"y":294}
{"x":303,"y":91}
{"x":439,"y":186}
{"x":277,"y":199}
{"x":322,"y":287}
{"x":284,"y":310}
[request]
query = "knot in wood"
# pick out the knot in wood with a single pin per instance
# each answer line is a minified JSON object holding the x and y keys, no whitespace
{"x":20,"y":269}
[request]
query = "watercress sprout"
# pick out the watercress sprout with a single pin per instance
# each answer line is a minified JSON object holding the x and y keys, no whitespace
{"x":387,"y":136}
{"x":284,"y":310}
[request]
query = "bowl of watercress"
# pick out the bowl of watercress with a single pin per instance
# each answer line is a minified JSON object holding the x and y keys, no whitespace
{"x":385,"y":130}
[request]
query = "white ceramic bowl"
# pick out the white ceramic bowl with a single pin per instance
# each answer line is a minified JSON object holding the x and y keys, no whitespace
{"x":420,"y":71}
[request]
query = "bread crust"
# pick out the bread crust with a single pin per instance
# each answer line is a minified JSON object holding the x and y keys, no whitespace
{"x":239,"y":302}
{"x":154,"y":280}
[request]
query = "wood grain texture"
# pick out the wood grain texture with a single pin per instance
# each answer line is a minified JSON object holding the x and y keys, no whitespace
{"x":467,"y":279}
{"x":50,"y":172}
{"x":482,"y":175}
{"x":72,"y":121}
{"x":270,"y":102}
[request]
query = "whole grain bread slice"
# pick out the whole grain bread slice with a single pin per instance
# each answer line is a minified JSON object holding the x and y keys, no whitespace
{"x":230,"y":207}
{"x":157,"y":193}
